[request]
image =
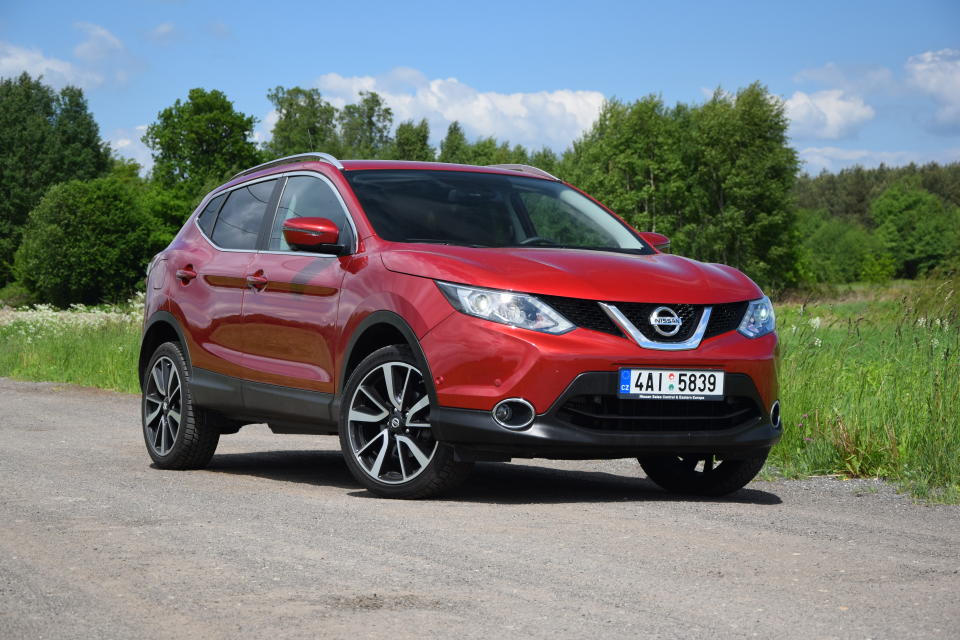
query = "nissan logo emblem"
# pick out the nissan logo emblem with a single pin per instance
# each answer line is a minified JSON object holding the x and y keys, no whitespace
{"x":665,"y":321}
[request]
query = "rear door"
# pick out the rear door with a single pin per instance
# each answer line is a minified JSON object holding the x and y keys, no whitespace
{"x":214,"y":276}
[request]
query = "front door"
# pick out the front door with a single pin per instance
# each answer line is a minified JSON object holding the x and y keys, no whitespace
{"x":290,"y":314}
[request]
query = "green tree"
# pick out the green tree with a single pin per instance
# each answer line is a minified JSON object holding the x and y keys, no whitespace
{"x":454,"y":147}
{"x":45,"y":138}
{"x":839,"y":250}
{"x":743,"y":171}
{"x":629,"y":159}
{"x":717,"y":177}
{"x":365,"y":127}
{"x":916,"y":227}
{"x":82,"y":154}
{"x":545,"y":159}
{"x":86,"y":242}
{"x":412,"y":142}
{"x":305,"y":122}
{"x":199,"y":140}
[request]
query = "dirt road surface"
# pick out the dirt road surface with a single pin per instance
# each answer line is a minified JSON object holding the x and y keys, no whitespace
{"x":275,"y":539}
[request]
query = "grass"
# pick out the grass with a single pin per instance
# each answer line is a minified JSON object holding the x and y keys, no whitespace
{"x":869,"y":378}
{"x":870,"y":385}
{"x":90,"y":346}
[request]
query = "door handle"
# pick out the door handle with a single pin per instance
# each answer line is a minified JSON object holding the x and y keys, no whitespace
{"x":256,"y":281}
{"x":186,"y":274}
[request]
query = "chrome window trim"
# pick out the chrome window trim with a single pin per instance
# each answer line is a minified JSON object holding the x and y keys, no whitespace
{"x":277,"y":176}
{"x":343,"y":205}
{"x":214,"y":194}
{"x":631,"y":330}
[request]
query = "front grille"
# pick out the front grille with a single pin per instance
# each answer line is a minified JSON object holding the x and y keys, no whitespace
{"x":626,"y":415}
{"x":589,"y":315}
{"x":639,"y":314}
{"x":583,"y":313}
{"x":725,"y":317}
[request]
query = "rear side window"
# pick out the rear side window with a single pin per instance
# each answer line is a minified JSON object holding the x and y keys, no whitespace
{"x":208,"y":216}
{"x":238,"y":224}
{"x":306,"y":197}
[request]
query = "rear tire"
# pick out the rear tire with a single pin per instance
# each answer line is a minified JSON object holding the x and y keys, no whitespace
{"x":702,"y":475}
{"x":385,"y":432}
{"x":177,"y":435}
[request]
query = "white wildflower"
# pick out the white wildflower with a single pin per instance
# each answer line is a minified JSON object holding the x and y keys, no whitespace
{"x":815,"y":322}
{"x":921,"y":321}
{"x":817,"y":342}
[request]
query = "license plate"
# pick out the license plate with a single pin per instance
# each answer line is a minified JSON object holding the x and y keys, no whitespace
{"x":671,"y":384}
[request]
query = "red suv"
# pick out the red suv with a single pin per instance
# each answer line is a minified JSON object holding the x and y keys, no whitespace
{"x":434,"y":315}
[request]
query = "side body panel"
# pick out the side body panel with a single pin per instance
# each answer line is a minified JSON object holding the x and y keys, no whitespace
{"x":291,"y":323}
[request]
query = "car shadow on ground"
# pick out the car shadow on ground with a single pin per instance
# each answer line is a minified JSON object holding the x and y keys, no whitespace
{"x":498,"y":482}
{"x":490,"y":482}
{"x":321,"y":468}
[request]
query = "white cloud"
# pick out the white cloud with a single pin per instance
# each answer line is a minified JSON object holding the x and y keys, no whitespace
{"x":551,"y":118}
{"x":15,"y":60}
{"x":937,"y":73}
{"x":852,"y":79}
{"x":99,"y":44}
{"x":828,"y":115}
{"x":126,"y":143}
{"x":816,"y":159}
{"x":164,"y":32}
{"x":264,"y":130}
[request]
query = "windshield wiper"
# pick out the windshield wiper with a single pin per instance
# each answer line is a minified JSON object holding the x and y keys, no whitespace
{"x":446,"y":242}
{"x":630,"y":251}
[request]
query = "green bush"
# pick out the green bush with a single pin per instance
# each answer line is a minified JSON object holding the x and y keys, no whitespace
{"x":841,"y":250}
{"x":86,"y":242}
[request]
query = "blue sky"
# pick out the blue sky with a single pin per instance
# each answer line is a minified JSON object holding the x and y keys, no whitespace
{"x":863,"y":82}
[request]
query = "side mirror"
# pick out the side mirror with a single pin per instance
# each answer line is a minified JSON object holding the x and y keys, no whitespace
{"x":659,"y":241}
{"x":319,"y":235}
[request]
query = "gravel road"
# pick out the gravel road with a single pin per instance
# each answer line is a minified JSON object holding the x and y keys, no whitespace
{"x":276,"y":539}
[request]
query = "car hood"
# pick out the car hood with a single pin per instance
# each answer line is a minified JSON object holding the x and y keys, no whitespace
{"x":578,"y":273}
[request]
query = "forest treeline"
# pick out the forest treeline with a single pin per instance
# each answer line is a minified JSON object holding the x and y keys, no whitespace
{"x":78,"y":223}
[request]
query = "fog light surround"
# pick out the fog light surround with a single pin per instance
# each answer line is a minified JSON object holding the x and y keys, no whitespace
{"x":775,"y":415}
{"x":514,"y":413}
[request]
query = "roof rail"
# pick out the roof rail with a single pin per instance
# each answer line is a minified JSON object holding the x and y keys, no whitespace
{"x":525,"y":168}
{"x":300,"y":157}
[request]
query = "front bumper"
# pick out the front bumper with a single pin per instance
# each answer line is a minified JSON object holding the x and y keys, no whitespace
{"x":476,"y":363}
{"x":576,"y":427}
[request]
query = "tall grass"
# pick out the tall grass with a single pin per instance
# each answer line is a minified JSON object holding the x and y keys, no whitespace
{"x":870,"y":382}
{"x":95,"y":347}
{"x":871,"y":387}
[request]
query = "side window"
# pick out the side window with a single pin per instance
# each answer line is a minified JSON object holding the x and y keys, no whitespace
{"x":208,"y":216}
{"x":238,"y":224}
{"x":306,"y":197}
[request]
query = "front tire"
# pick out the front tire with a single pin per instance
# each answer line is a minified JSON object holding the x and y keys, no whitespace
{"x":385,"y":432}
{"x":177,"y":435}
{"x":702,"y":475}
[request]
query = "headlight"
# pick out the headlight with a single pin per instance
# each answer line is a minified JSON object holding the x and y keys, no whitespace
{"x":759,"y":319}
{"x":505,"y":307}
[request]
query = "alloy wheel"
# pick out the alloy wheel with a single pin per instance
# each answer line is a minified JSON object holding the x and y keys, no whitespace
{"x":389,"y":424}
{"x":163,"y":406}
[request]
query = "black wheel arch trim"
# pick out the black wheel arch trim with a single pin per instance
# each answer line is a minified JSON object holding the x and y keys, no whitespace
{"x":158,"y":317}
{"x":397,"y":322}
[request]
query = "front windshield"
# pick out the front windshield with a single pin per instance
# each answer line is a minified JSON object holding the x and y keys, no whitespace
{"x":486,"y":210}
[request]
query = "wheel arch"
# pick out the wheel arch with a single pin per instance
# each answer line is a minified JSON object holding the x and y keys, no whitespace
{"x":161,"y":327}
{"x":380,"y":329}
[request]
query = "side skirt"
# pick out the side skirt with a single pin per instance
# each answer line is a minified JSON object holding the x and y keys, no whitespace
{"x":285,"y":409}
